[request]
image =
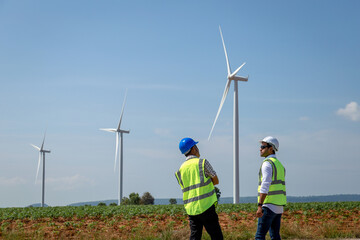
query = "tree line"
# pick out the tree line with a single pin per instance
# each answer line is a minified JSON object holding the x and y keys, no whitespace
{"x":146,"y":199}
{"x":134,"y":199}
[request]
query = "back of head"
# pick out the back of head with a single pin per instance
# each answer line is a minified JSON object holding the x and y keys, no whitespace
{"x":186,"y":144}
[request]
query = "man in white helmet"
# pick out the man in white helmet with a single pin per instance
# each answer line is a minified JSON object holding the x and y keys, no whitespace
{"x":271,"y":191}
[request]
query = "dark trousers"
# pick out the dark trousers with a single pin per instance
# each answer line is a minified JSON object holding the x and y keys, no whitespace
{"x":208,"y":219}
{"x":270,"y":221}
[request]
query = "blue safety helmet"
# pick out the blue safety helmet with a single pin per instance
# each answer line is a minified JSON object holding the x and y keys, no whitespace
{"x":186,"y":144}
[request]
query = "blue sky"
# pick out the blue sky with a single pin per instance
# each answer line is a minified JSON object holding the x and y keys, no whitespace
{"x":65,"y":67}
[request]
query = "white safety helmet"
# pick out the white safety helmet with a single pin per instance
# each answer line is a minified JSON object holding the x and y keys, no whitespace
{"x":272,"y":141}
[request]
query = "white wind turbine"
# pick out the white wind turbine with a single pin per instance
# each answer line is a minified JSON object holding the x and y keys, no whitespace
{"x":232,"y":77}
{"x":42,"y":152}
{"x":119,"y":134}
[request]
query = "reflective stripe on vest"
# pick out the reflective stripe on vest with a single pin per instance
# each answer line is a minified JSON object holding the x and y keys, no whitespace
{"x":277,"y":189}
{"x":198,"y":190}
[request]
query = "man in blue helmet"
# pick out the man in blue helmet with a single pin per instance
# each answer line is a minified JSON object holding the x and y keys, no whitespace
{"x":197,"y":178}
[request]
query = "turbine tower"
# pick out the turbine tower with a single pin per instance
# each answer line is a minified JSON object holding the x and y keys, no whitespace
{"x":42,"y":152}
{"x":232,"y":77}
{"x":119,"y":134}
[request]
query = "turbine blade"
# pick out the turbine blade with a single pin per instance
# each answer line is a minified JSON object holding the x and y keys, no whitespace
{"x":226,"y":56}
{"x":117,"y":150}
{"x":108,"y":129}
{"x":122,"y":110}
{"x":37,"y":172}
{"x":237,"y":70}
{"x":227,"y":87}
{"x":36,"y":147}
{"x":42,"y":145}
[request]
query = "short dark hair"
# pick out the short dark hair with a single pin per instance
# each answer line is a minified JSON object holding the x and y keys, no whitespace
{"x":273,"y":148}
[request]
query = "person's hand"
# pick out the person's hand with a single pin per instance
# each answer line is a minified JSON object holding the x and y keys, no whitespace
{"x":259,"y":212}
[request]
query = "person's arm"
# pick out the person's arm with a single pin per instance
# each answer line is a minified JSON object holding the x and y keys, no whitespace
{"x":259,"y":212}
{"x":209,"y":172}
{"x":215,"y":180}
{"x":266,"y":171}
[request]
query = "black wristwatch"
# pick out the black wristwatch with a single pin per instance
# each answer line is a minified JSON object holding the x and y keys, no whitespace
{"x":260,"y":204}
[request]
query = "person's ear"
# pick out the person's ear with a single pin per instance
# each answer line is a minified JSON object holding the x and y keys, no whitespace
{"x":272,"y":149}
{"x":192,"y":150}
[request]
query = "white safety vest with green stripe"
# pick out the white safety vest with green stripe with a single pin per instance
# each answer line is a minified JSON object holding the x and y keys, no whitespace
{"x":277,"y":190}
{"x":198,"y":190}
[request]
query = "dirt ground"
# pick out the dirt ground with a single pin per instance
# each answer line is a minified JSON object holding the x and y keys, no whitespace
{"x":237,"y":225}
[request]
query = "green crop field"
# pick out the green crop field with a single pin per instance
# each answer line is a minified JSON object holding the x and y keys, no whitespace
{"x":300,"y":220}
{"x":134,"y":210}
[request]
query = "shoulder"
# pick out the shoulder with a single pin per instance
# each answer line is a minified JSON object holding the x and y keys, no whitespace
{"x":206,"y":162}
{"x":266,"y":165}
{"x":207,"y":165}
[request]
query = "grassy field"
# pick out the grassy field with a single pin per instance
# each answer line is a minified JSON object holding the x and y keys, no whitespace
{"x":300,"y":221}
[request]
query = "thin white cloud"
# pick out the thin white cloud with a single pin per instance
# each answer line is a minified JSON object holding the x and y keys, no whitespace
{"x":13,"y":181}
{"x":156,"y":87}
{"x":151,"y":152}
{"x":162,"y":132}
{"x":351,"y":111}
{"x":69,"y":183}
{"x":304,"y":118}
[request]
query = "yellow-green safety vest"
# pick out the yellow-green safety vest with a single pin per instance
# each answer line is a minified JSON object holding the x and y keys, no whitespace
{"x":277,"y":190}
{"x":198,"y":190}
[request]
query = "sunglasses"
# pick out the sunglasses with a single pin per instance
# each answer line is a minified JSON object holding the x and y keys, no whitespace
{"x":263,"y":147}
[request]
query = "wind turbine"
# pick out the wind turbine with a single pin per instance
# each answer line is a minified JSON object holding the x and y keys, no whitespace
{"x":232,"y":77}
{"x":42,"y":152}
{"x":119,"y":134}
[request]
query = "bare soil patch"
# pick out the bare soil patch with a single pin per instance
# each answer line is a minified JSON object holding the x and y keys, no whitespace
{"x":235,"y":225}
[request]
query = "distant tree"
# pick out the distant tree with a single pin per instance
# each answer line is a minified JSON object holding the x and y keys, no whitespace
{"x":134,"y":198}
{"x":172,"y":201}
{"x":218,"y":193}
{"x":102,"y":204}
{"x":113,"y":204}
{"x":125,"y":201}
{"x":147,"y":199}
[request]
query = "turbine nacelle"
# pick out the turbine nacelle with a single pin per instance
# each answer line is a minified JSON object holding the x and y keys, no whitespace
{"x":124,"y":131}
{"x":238,"y":78}
{"x":114,"y":130}
{"x":40,"y":149}
{"x":233,"y":75}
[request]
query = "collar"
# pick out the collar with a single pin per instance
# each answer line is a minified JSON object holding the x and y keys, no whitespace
{"x":271,"y":156}
{"x":190,"y":157}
